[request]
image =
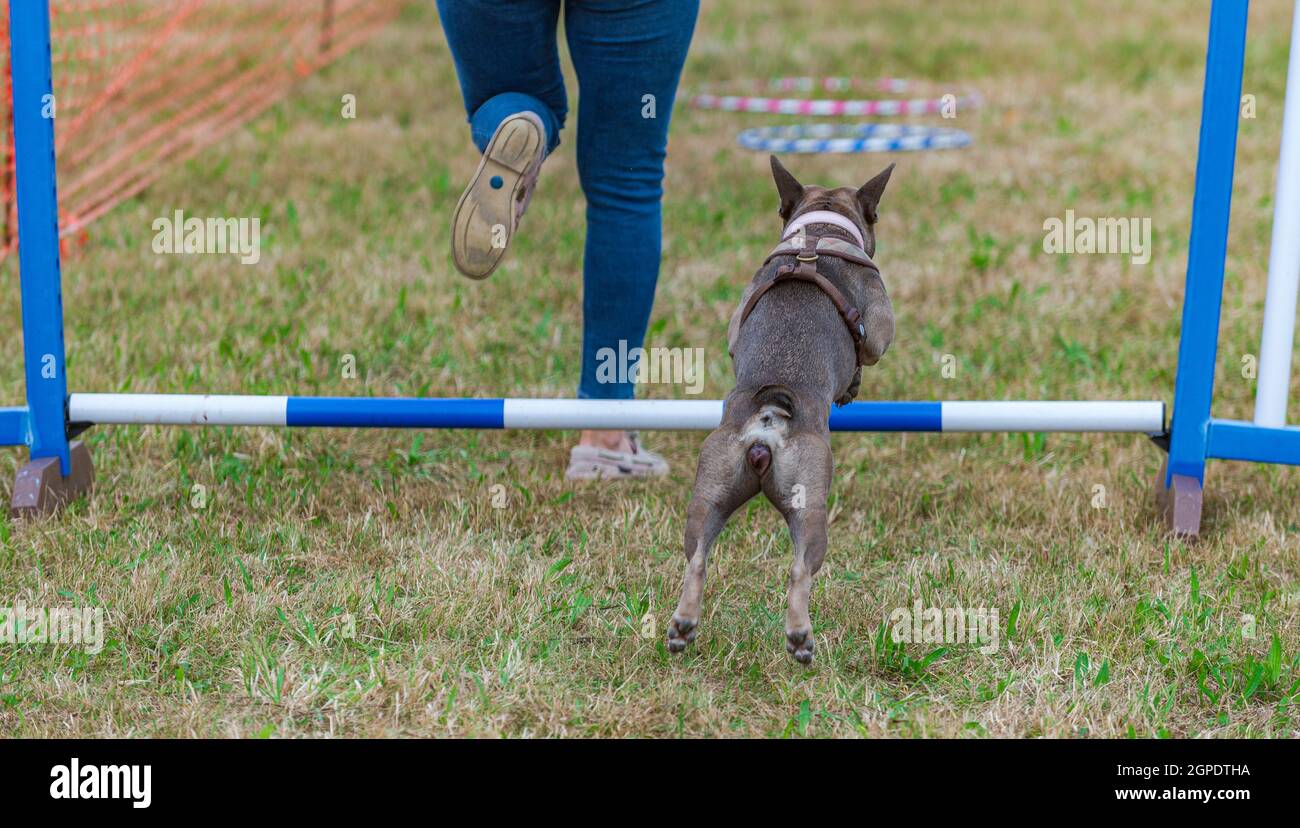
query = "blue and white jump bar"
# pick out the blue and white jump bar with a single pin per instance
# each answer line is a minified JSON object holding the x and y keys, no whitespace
{"x":649,"y":415}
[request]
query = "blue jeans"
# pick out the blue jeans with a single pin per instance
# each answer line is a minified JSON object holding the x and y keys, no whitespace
{"x":623,"y":51}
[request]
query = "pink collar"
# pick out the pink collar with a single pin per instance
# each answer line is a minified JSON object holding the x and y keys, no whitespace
{"x":823,"y":217}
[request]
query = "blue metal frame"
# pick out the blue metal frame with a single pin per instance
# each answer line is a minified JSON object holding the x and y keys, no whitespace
{"x":13,"y":427}
{"x":45,"y":419}
{"x":1195,"y":435}
{"x":1236,"y":440}
{"x":1211,"y":207}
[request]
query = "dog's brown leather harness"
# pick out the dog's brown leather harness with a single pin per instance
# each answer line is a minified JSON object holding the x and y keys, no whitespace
{"x":806,"y":250}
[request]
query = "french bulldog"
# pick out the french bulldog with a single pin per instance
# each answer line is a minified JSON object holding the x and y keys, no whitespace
{"x":814,"y":314}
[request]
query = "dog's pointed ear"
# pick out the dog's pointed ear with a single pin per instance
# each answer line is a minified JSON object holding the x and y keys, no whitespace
{"x":869,"y":194}
{"x":788,"y":187}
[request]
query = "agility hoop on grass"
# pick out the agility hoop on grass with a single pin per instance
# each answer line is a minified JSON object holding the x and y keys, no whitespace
{"x":825,"y":138}
{"x":852,"y":138}
{"x":885,"y":107}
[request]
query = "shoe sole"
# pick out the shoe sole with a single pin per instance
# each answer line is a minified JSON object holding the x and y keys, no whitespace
{"x":514,"y":148}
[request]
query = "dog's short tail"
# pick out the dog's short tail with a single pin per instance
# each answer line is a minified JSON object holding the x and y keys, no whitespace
{"x":775,"y":408}
{"x":776,"y":396}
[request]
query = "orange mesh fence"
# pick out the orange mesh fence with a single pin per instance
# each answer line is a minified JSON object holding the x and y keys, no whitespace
{"x":142,"y":84}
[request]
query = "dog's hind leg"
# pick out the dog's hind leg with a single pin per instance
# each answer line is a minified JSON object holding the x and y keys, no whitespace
{"x":723,"y":483}
{"x":809,"y":538}
{"x":799,"y":488}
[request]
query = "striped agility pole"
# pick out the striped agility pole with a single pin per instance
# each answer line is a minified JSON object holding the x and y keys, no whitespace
{"x":570,"y":414}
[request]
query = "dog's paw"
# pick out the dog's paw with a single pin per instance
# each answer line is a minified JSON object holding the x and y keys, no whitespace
{"x":800,"y":645}
{"x":680,"y":633}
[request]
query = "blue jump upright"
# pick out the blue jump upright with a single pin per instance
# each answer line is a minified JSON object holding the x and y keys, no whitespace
{"x":1196,"y":436}
{"x":57,"y":471}
{"x":1198,"y":343}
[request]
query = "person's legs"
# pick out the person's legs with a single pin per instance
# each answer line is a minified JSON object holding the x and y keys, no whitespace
{"x":628,"y":55}
{"x":507,"y":62}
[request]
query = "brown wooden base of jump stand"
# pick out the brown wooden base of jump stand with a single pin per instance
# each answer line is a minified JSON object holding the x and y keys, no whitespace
{"x":1180,"y":503}
{"x":40,"y":488}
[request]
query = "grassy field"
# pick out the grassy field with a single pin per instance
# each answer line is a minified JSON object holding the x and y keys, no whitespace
{"x":361,"y":583}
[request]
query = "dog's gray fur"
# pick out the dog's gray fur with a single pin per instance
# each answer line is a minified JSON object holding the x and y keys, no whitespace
{"x":792,"y":358}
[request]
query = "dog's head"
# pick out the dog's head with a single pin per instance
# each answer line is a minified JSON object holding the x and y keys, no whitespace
{"x":858,"y":205}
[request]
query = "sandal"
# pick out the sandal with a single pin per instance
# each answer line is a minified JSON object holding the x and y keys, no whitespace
{"x":593,"y":463}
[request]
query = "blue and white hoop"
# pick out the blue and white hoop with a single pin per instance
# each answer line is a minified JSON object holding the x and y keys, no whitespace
{"x":825,"y":138}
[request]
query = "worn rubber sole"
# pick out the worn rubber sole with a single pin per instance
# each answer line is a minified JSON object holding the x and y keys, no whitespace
{"x":484,"y":221}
